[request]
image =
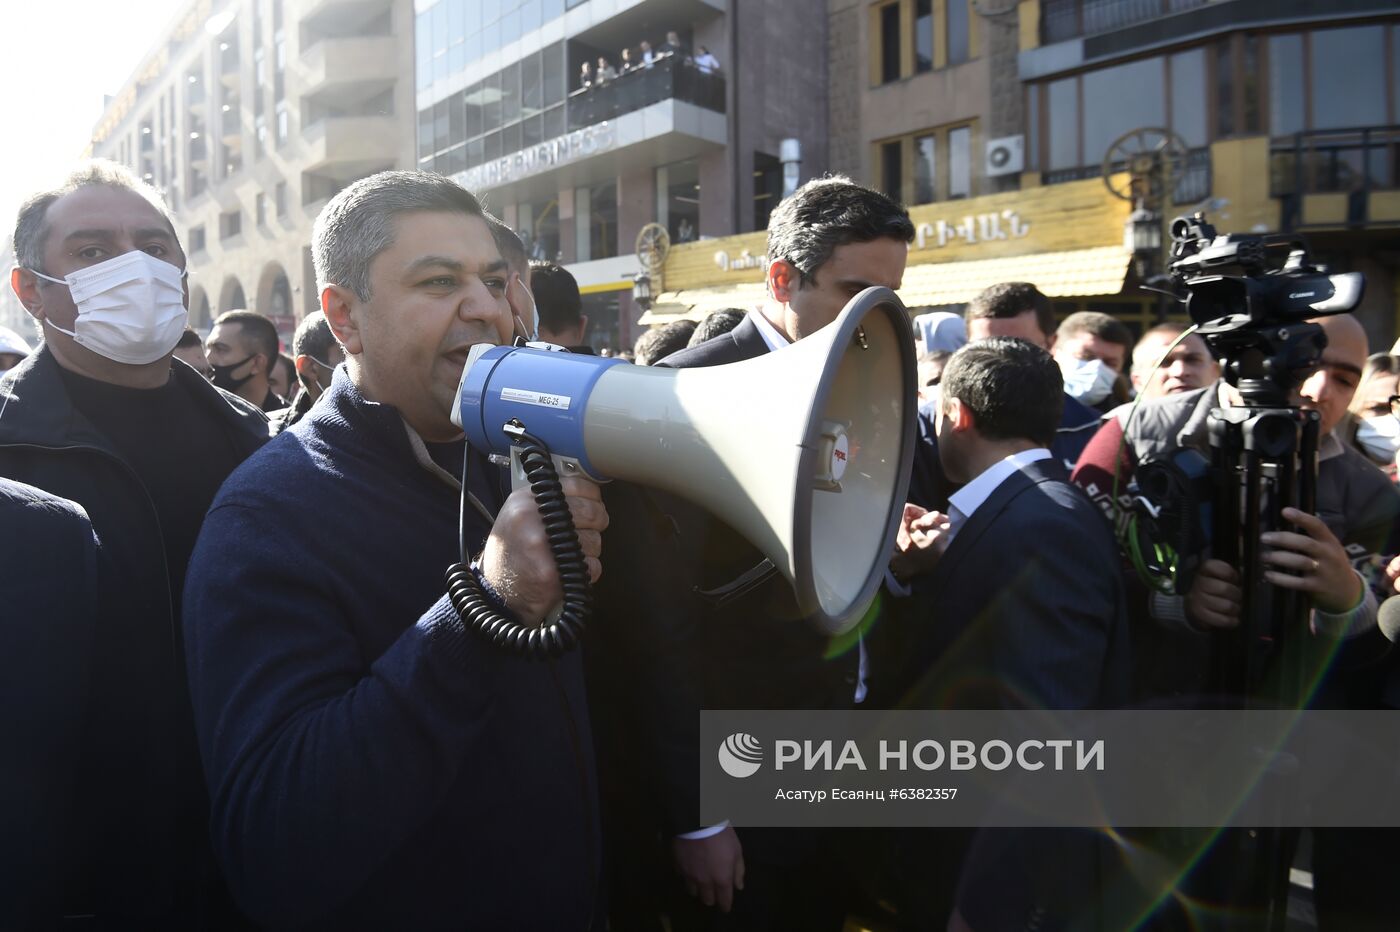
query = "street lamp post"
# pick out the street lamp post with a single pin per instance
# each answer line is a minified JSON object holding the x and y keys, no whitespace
{"x":641,"y":290}
{"x":1142,"y":236}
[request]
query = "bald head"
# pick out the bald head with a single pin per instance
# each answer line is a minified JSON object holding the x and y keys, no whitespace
{"x":1330,"y":389}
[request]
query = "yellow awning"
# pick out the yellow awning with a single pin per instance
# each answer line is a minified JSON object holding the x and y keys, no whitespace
{"x":1070,"y":274}
{"x":699,"y":303}
{"x":1076,"y":273}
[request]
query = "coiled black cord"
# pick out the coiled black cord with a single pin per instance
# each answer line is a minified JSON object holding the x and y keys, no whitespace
{"x":473,"y":605}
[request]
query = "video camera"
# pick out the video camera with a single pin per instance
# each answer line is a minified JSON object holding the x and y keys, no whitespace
{"x":1251,"y":297}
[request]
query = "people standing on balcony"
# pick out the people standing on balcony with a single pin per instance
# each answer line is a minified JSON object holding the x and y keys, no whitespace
{"x":585,"y":75}
{"x":706,"y":62}
{"x":606,"y":72}
{"x":626,"y":62}
{"x":648,"y":56}
{"x":672,"y":45}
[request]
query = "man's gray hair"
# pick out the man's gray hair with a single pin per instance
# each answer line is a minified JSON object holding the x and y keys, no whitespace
{"x":31,"y":226}
{"x":358,"y":223}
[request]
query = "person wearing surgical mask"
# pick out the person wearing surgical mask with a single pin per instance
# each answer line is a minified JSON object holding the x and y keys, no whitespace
{"x":1373,"y":426}
{"x":100,"y":416}
{"x":1092,"y":350}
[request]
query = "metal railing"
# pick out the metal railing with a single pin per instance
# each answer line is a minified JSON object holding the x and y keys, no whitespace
{"x":667,"y":79}
{"x":1193,"y":180}
{"x":1353,"y":162}
{"x":1068,"y":19}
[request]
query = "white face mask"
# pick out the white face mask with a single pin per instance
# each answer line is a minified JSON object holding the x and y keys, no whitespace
{"x":1380,"y":437}
{"x":131,"y":308}
{"x":1087,"y":380}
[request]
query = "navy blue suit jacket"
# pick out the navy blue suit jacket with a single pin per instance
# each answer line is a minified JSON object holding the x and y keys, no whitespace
{"x":1025,"y":609}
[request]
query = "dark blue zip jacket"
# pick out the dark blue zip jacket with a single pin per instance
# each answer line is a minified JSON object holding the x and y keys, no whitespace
{"x":139,"y":852}
{"x":371,"y":763}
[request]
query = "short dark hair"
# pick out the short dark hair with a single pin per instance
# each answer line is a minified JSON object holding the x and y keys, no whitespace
{"x":805,"y":229}
{"x":717,"y":324}
{"x":557,"y":301}
{"x":1101,"y":325}
{"x":1012,"y":299}
{"x":31,"y":223}
{"x":361,"y":222}
{"x":256,"y":330}
{"x":509,"y":244}
{"x":1013,"y":389}
{"x":659,"y":342}
{"x":313,"y":337}
{"x":189,"y":338}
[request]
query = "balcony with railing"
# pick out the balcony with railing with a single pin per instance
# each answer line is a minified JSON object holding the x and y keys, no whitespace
{"x":1069,"y":19}
{"x":1191,"y":176}
{"x":670,"y":78}
{"x":1345,"y":177}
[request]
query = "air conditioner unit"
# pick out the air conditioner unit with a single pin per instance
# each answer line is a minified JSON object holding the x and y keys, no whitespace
{"x":1006,"y":156}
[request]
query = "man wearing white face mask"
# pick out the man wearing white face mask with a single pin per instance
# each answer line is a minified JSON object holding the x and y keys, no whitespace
{"x":101,"y":415}
{"x":1373,"y":426}
{"x":1092,"y":350}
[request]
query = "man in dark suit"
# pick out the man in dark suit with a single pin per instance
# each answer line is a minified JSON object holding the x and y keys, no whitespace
{"x":752,"y":648}
{"x":1017,"y":603}
{"x":1008,"y":309}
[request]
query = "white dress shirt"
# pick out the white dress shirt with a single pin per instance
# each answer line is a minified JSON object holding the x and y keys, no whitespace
{"x":966,"y":500}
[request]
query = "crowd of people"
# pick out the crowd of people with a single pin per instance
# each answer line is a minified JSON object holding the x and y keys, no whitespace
{"x":249,"y":700}
{"x":645,"y":56}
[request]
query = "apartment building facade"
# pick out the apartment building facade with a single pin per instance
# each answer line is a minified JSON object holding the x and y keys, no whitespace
{"x":249,"y":115}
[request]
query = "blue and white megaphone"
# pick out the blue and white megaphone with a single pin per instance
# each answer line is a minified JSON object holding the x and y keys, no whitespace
{"x":806,"y":451}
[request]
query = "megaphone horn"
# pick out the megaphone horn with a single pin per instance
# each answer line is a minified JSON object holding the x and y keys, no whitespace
{"x":806,"y":451}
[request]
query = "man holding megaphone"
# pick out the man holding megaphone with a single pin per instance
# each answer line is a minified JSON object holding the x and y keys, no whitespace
{"x":371,"y":762}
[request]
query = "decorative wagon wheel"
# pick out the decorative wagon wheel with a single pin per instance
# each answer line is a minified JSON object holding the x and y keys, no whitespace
{"x":653,"y":243}
{"x":1153,"y":157}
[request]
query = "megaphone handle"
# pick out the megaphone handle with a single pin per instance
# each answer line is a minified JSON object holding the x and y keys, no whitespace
{"x":476,"y":609}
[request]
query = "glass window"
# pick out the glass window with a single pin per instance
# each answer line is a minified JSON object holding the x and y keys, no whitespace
{"x":1033,"y":127}
{"x":510,"y":93}
{"x":554,"y":122}
{"x":440,"y":126}
{"x":552,"y":10}
{"x":511,"y":140}
{"x":923,"y":35}
{"x":530,"y":97}
{"x":553,"y":62}
{"x":456,"y":20}
{"x":491,"y":101}
{"x":958,"y":32}
{"x":493,"y":146}
{"x":440,"y":36}
{"x":425,"y":132}
{"x":1062,"y":124}
{"x":1189,"y":97}
{"x":456,"y":118}
{"x":1119,"y":99}
{"x":960,"y":162}
{"x":1224,"y":89}
{"x":892,"y":169}
{"x":476,"y":152}
{"x":530,"y":131}
{"x":1348,"y":71}
{"x":889,"y":43}
{"x":471,"y":109}
{"x":530,"y":17}
{"x":510,"y":26}
{"x":1250,"y":87}
{"x":924,"y":165}
{"x":682,"y":206}
{"x":602,"y":221}
{"x":490,"y":11}
{"x":1286,"y":101}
